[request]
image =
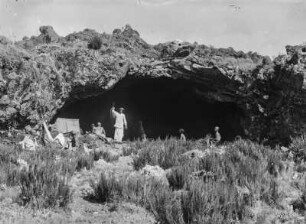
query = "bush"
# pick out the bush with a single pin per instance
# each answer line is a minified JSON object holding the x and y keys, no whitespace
{"x":107,"y":155}
{"x":41,"y":187}
{"x":218,"y":188}
{"x":8,"y":165}
{"x":107,"y":189}
{"x":84,"y":160}
{"x":95,"y":43}
{"x":44,"y":182}
{"x":127,"y":151}
{"x":178,"y":177}
{"x":298,"y":147}
{"x":165,"y":153}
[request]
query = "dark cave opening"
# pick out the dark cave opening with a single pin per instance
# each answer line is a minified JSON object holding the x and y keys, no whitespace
{"x":164,"y":106}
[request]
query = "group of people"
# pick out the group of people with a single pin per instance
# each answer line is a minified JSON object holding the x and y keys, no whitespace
{"x":215,"y":140}
{"x":120,"y":125}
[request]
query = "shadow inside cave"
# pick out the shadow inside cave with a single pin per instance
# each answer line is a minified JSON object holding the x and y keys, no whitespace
{"x":164,"y":105}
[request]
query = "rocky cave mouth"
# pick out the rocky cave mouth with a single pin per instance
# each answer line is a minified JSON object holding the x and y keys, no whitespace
{"x":164,"y":105}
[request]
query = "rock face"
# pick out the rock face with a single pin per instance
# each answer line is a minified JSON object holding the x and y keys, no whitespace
{"x":38,"y":76}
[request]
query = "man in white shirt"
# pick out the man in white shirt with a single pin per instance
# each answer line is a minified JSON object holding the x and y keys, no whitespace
{"x":120,"y":123}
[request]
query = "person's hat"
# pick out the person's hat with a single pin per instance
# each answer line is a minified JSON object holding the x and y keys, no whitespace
{"x":216,"y":128}
{"x":181,"y":130}
{"x":99,"y":123}
{"x":121,"y":108}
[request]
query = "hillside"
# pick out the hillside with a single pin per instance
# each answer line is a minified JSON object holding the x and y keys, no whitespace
{"x":41,"y":75}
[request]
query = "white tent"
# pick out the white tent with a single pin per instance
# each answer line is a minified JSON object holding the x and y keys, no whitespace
{"x":65,"y":125}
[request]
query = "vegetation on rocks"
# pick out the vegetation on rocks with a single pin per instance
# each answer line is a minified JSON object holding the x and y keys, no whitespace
{"x":95,"y":43}
{"x":54,"y":69}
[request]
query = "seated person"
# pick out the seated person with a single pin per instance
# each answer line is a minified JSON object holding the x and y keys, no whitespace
{"x":71,"y":141}
{"x":99,"y":130}
{"x":93,"y":128}
{"x":217,"y":137}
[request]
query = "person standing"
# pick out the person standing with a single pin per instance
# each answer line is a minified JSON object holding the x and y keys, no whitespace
{"x":182,"y":135}
{"x":93,"y":128}
{"x":120,"y":123}
{"x":141,"y":132}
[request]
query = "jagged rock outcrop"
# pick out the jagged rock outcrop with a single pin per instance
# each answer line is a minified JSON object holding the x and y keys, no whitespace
{"x":37,"y":79}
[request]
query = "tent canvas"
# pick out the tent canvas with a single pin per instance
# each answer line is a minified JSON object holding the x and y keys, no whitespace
{"x":65,"y":125}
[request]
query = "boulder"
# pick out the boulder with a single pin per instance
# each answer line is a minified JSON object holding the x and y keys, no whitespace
{"x":5,"y":100}
{"x":48,"y":34}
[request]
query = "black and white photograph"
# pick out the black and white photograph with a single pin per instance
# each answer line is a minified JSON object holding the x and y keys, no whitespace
{"x":152,"y":111}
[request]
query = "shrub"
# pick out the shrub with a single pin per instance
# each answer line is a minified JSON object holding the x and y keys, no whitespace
{"x":178,"y":177}
{"x":165,"y":153}
{"x":107,"y":155}
{"x":107,"y":189}
{"x":84,"y":160}
{"x":41,"y":187}
{"x":298,"y":147}
{"x":157,"y":198}
{"x":8,"y":165}
{"x":95,"y":43}
{"x":218,"y":188}
{"x":127,"y":151}
{"x":44,"y":183}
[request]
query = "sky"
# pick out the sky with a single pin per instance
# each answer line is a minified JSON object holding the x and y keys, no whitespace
{"x":264,"y":26}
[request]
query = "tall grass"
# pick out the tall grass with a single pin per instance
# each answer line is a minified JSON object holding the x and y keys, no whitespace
{"x":298,"y":147}
{"x":165,"y":153}
{"x":107,"y":189}
{"x":44,"y":181}
{"x":41,"y":187}
{"x":216,"y":188}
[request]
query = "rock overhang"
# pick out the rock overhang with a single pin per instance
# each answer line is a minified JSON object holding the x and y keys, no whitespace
{"x":64,"y":69}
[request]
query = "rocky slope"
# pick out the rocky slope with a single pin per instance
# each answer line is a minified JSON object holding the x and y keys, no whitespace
{"x":38,"y":75}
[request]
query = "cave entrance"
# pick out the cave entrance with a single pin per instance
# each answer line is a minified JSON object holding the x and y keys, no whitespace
{"x":164,"y":105}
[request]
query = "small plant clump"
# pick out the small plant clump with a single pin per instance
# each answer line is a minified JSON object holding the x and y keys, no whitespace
{"x":107,"y":189}
{"x":95,"y":43}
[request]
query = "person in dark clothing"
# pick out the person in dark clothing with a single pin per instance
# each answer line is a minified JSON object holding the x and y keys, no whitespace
{"x":141,"y":132}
